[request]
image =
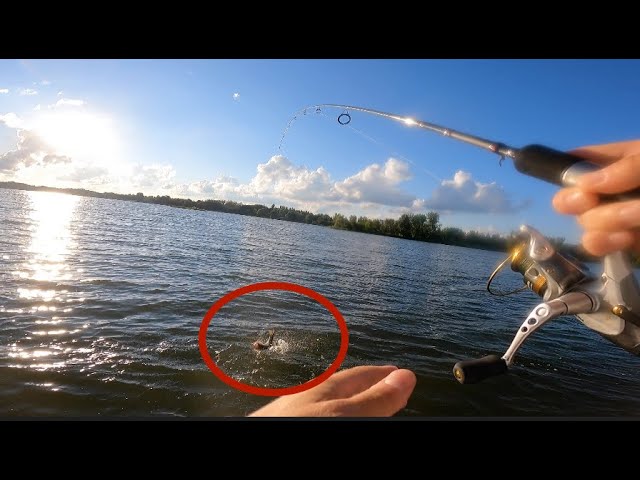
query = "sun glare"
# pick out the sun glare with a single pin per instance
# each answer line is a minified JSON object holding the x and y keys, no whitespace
{"x":50,"y":240}
{"x":78,"y":134}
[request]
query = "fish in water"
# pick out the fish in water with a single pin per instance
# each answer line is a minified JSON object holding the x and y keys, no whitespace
{"x":258,"y":345}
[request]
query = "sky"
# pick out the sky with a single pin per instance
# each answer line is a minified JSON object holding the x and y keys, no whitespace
{"x":217,"y":129}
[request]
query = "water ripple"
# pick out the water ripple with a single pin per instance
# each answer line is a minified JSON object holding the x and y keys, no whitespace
{"x":101,"y":303}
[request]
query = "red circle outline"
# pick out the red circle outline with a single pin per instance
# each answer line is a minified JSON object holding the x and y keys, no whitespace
{"x":273,"y":392}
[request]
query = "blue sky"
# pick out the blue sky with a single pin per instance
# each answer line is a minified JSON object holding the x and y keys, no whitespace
{"x":212,"y":128}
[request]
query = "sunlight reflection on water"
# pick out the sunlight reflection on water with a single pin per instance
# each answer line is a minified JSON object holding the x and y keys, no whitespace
{"x":51,"y":242}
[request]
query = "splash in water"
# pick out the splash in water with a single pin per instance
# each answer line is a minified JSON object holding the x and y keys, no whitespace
{"x":281,"y":346}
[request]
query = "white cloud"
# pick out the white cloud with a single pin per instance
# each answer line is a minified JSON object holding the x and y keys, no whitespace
{"x":45,"y":82}
{"x":464,"y":194}
{"x":37,"y":107}
{"x":236,"y":96}
{"x":152,"y":176}
{"x":60,"y":93}
{"x":280,"y":181}
{"x":4,"y":90}
{"x":28,"y":91}
{"x":30,"y":150}
{"x":83,"y":173}
{"x":280,"y":178}
{"x":375,"y":190}
{"x":11,"y":120}
{"x":222,"y":188}
{"x":68,"y":102}
{"x":378,"y":184}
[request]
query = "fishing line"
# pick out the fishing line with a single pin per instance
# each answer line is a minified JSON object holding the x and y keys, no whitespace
{"x":344,"y":119}
{"x":394,"y":154}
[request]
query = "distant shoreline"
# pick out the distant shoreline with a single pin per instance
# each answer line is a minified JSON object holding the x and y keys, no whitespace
{"x":419,"y":227}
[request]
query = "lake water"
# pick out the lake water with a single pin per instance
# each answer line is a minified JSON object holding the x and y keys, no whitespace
{"x":101,"y":302}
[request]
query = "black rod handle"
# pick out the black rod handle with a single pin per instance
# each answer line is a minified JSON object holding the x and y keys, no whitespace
{"x":474,"y":371}
{"x":561,"y":168}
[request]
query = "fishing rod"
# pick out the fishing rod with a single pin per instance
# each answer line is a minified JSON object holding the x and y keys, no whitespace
{"x":608,"y":304}
{"x":538,"y":161}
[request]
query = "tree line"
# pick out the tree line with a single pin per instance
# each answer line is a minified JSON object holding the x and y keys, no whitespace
{"x":420,"y":227}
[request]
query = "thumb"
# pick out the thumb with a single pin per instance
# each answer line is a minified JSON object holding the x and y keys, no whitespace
{"x":383,"y":399}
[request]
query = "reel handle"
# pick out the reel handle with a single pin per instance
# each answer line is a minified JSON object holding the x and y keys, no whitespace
{"x":474,"y":371}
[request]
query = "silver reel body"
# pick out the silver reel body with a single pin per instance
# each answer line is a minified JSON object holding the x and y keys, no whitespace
{"x":608,"y":304}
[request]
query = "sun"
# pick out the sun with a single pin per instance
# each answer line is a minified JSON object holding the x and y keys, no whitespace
{"x":79,"y":135}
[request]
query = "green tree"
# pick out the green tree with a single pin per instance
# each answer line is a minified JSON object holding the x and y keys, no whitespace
{"x":390,"y":227}
{"x":404,"y":225}
{"x":353,"y":222}
{"x":433,"y":224}
{"x":418,"y":230}
{"x":452,"y":235}
{"x":340,"y":221}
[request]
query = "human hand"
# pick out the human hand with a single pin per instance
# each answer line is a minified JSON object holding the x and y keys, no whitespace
{"x":364,"y":391}
{"x":613,"y":226}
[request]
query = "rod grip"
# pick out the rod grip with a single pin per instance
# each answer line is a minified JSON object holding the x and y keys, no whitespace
{"x":474,"y":371}
{"x":561,"y":168}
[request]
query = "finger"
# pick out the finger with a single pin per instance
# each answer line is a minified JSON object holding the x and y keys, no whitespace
{"x":600,"y":243}
{"x":613,"y":217}
{"x":573,"y":201}
{"x":618,"y":177}
{"x":607,"y":153}
{"x":636,"y":245}
{"x":383,"y":399}
{"x":347,"y":383}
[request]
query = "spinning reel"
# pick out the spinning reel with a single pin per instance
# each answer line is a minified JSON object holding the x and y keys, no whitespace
{"x":609,"y":304}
